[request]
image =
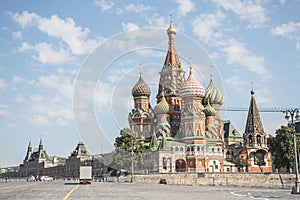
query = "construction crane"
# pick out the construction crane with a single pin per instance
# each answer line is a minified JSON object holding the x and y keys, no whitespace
{"x":282,"y":110}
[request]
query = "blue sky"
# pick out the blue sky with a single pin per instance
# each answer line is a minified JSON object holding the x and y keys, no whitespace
{"x":47,"y":50}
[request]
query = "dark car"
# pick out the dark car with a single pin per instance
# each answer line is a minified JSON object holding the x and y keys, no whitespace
{"x":162,"y":181}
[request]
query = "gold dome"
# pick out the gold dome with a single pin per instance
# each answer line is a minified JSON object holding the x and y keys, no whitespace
{"x":171,"y":29}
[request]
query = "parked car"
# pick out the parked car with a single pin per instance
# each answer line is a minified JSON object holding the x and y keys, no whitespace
{"x":31,"y":178}
{"x":162,"y":181}
{"x":46,"y":178}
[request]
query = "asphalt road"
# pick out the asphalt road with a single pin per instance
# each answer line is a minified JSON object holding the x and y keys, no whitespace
{"x":122,"y":191}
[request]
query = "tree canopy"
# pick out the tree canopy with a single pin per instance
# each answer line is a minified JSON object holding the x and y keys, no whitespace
{"x":240,"y":163}
{"x":282,"y":148}
{"x":125,"y":144}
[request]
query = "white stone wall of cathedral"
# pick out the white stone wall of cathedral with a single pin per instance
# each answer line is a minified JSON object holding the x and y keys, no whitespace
{"x":141,"y":130}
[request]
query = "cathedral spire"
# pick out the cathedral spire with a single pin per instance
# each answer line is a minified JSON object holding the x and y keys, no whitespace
{"x":172,"y":59}
{"x":41,"y":144}
{"x":153,"y":143}
{"x":254,"y":124}
{"x":163,"y":146}
{"x":29,"y":151}
{"x":29,"y":144}
{"x":141,"y":72}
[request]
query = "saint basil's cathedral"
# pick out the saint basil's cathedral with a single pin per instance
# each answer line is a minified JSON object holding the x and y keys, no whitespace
{"x":184,"y":130}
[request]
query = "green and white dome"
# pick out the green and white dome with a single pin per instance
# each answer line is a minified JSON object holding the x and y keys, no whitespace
{"x":213,"y":94}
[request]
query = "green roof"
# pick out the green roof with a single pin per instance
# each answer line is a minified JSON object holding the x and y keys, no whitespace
{"x":226,"y":163}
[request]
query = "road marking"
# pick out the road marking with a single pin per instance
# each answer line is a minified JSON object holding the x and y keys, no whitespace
{"x":6,"y":187}
{"x":67,"y":196}
{"x":248,"y":195}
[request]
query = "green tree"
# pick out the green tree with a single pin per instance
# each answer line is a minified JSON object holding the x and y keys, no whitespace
{"x":124,"y":144}
{"x":240,"y":163}
{"x":282,"y":148}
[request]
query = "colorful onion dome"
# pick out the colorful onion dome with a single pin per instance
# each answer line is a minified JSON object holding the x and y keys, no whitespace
{"x":209,"y":111}
{"x":141,"y":89}
{"x":162,"y":107}
{"x":213,"y":94}
{"x":191,"y":87}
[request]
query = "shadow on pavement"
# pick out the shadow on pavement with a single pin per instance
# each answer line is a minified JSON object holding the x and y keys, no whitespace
{"x":71,"y":183}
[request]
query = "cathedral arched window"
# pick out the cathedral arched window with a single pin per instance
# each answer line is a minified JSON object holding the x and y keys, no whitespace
{"x":258,"y":139}
{"x":176,"y":107}
{"x":250,"y":139}
{"x":164,"y":163}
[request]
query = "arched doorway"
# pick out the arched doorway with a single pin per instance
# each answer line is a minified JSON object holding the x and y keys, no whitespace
{"x":180,"y":165}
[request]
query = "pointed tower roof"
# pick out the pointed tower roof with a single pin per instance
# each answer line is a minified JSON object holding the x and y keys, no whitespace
{"x":29,"y":144}
{"x":153,"y":143}
{"x":29,"y":151}
{"x":172,"y":58}
{"x":253,"y":124}
{"x":163,"y":144}
{"x":41,"y":146}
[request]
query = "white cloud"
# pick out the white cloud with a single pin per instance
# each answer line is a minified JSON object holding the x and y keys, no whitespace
{"x":4,"y":110}
{"x":17,"y":35}
{"x":263,"y":95}
{"x":19,"y":98}
{"x":46,"y":54}
{"x":20,"y":80}
{"x":3,"y":84}
{"x":17,"y":79}
{"x":129,"y":26}
{"x":137,"y":8}
{"x":37,"y":98}
{"x":67,"y":30}
{"x":155,"y":20}
{"x":26,"y":18}
{"x":236,"y":82}
{"x":75,"y":37}
{"x":238,"y":54}
{"x":37,"y":119}
{"x":104,"y":5}
{"x":250,"y":10}
{"x":185,"y":6}
{"x":282,"y":2}
{"x":10,"y":125}
{"x":51,"y":103}
{"x":291,"y":30}
{"x":206,"y":26}
{"x":59,"y":83}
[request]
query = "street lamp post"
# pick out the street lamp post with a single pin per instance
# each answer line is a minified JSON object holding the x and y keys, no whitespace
{"x":292,"y":114}
{"x":132,"y":164}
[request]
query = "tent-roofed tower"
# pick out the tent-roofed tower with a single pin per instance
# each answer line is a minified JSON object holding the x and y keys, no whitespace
{"x":172,"y":78}
{"x":253,"y":124}
{"x":255,"y":148}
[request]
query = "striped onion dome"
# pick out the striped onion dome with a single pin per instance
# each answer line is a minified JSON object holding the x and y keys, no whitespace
{"x":162,"y":107}
{"x":191,"y":87}
{"x":141,"y":89}
{"x":209,"y":111}
{"x":213,"y":94}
